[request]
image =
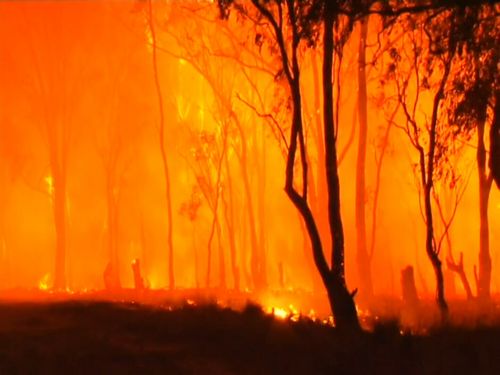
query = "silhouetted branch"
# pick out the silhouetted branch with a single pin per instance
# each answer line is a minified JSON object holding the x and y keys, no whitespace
{"x":266,"y":116}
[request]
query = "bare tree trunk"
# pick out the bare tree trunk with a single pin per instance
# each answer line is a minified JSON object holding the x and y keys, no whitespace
{"x":319,"y":213}
{"x":255,"y":262}
{"x":362,"y":257}
{"x":222,"y":260}
{"x":229,"y":216}
{"x":427,"y":185}
{"x":59,"y":206}
{"x":195,"y":255}
{"x":484,"y":277}
{"x":262,"y":208}
{"x":170,"y":245}
{"x":341,"y":300}
{"x":215,"y":221}
{"x":112,"y":217}
{"x":144,"y":251}
{"x":494,"y":161}
{"x":433,"y":255}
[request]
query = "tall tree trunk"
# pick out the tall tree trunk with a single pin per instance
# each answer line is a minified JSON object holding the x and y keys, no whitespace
{"x":195,"y":255}
{"x":427,"y":177}
{"x":494,"y":161}
{"x":229,"y":216}
{"x":170,"y":230}
{"x":112,"y":217}
{"x":261,"y":189}
{"x":322,"y":194}
{"x":484,"y":277}
{"x":432,"y":254}
{"x":144,"y":251}
{"x":215,"y":221}
{"x":222,"y":259}
{"x":59,"y":207}
{"x":255,"y":262}
{"x":317,"y":207}
{"x":362,"y":257}
{"x":342,"y":301}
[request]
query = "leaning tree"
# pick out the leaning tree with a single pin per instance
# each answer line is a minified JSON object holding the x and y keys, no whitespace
{"x":289,"y":27}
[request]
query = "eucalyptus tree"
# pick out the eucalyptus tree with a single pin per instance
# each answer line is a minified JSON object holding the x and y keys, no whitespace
{"x":474,"y":106}
{"x":288,"y":27}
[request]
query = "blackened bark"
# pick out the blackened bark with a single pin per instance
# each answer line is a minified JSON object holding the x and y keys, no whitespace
{"x":342,"y":302}
{"x":428,"y":184}
{"x":494,"y":161}
{"x":484,"y":276}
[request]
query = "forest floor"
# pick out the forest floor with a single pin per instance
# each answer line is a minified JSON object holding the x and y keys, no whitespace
{"x":89,"y":336}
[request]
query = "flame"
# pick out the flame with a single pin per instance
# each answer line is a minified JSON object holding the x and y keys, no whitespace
{"x":279,"y":313}
{"x":288,"y":313}
{"x":49,"y":180}
{"x":43,"y":284}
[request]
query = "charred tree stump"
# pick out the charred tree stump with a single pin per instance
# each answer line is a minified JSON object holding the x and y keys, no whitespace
{"x":111,"y":281}
{"x":410,"y":297}
{"x":409,"y":290}
{"x":138,"y":280}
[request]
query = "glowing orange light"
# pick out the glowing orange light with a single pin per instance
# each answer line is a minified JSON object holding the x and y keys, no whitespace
{"x":43,"y":284}
{"x":279,"y":313}
{"x":50,"y":184}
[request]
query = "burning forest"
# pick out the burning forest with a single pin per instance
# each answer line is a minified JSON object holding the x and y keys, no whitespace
{"x":313,"y":178}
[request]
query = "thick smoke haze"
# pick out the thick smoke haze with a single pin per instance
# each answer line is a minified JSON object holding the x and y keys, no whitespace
{"x":79,"y":114}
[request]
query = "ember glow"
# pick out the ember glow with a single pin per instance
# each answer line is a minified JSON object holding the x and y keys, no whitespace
{"x":91,"y":89}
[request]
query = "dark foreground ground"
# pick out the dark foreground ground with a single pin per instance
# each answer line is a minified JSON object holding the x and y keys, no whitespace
{"x":108,"y":338}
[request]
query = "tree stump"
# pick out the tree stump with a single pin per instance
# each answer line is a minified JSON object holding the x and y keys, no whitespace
{"x":111,"y":281}
{"x":409,"y":290}
{"x":138,"y":280}
{"x":409,"y":313}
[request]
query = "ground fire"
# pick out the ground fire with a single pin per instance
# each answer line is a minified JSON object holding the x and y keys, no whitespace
{"x":306,"y":167}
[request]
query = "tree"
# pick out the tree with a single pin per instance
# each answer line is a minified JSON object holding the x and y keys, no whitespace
{"x":115,"y":131}
{"x":421,"y":68}
{"x":211,"y":58}
{"x":473,"y":106}
{"x":164,"y":158}
{"x":362,"y":254}
{"x":292,"y":24}
{"x":57,"y":89}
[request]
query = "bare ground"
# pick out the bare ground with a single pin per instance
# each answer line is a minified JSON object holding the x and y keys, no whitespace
{"x":112,"y":337}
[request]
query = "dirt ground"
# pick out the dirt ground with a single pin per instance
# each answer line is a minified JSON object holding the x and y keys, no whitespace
{"x":111,"y":337}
